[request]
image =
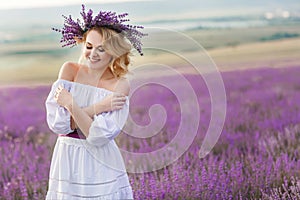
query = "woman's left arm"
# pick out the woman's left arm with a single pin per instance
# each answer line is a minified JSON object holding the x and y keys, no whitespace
{"x":112,"y":102}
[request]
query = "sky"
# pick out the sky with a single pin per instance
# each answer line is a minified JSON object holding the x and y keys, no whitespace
{"x":16,"y":4}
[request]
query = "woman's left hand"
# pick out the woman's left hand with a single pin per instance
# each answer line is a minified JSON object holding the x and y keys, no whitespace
{"x":63,"y":97}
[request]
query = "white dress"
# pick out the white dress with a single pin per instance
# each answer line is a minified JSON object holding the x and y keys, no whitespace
{"x":91,"y":168}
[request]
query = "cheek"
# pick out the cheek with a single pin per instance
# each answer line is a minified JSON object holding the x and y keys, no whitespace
{"x":106,"y":56}
{"x":86,"y":53}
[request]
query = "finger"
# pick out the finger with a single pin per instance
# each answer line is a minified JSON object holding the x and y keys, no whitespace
{"x":61,"y":86}
{"x":60,"y":89}
{"x":118,"y":104}
{"x":122,"y":96}
{"x":57,"y":89}
{"x":121,"y":99}
{"x":118,"y":107}
{"x":63,"y":90}
{"x":116,"y":94}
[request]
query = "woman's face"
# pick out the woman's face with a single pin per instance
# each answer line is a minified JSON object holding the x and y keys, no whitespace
{"x":94,"y":53}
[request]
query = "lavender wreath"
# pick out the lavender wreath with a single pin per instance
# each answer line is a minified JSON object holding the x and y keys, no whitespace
{"x":73,"y":31}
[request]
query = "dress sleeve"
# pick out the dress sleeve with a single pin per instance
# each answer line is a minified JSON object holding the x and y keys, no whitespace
{"x":58,"y":118}
{"x":106,"y":126}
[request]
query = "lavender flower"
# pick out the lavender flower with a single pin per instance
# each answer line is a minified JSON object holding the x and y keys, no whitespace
{"x":255,"y":158}
{"x":74,"y":30}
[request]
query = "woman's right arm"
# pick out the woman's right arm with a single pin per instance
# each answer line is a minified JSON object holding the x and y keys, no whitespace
{"x":58,"y":118}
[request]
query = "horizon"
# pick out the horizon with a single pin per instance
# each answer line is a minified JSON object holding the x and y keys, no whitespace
{"x":147,"y":10}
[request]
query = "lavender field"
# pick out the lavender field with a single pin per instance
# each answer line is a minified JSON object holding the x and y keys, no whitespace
{"x":256,"y":157}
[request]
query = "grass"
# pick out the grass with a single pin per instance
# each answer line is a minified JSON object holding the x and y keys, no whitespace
{"x":230,"y":49}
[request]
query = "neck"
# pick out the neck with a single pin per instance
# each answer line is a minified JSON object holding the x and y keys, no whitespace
{"x":100,"y":73}
{"x":95,"y":73}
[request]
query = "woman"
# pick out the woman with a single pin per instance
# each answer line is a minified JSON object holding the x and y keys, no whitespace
{"x":88,"y":106}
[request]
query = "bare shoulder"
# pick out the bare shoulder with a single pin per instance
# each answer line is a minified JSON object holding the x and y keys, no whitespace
{"x":123,"y":86}
{"x":68,"y":71}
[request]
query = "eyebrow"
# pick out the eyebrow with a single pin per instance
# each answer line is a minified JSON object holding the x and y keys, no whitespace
{"x":92,"y":45}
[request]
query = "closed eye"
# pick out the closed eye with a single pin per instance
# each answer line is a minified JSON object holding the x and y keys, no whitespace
{"x":89,"y":47}
{"x":101,"y":49}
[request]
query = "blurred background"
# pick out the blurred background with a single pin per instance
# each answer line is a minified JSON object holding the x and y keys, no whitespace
{"x":237,"y":34}
{"x":254,"y":44}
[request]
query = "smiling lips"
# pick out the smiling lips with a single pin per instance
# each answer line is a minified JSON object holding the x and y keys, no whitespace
{"x":93,"y":60}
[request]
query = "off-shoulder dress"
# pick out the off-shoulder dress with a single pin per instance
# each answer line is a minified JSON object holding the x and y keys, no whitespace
{"x":86,"y":168}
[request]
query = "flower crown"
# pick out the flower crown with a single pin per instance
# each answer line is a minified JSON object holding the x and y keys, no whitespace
{"x":74,"y":30}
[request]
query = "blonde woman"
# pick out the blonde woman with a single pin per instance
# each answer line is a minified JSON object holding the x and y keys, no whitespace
{"x":88,"y":106}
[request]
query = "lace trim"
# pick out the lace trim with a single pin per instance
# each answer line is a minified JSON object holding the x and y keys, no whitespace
{"x":97,"y":196}
{"x":76,"y":183}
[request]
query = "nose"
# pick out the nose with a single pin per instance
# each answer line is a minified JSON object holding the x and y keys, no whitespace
{"x":94,"y":53}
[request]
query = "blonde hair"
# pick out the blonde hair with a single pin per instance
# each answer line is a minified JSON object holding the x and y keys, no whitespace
{"x":117,"y":46}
